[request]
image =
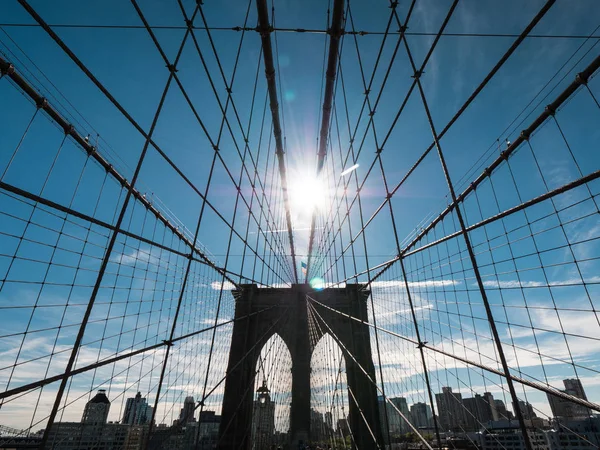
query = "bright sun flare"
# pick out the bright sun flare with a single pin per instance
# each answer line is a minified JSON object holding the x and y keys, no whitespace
{"x":307,"y":193}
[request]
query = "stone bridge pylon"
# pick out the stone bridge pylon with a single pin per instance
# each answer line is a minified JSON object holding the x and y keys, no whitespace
{"x":286,"y":314}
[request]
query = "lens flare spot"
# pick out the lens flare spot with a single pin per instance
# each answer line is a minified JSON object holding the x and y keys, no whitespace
{"x":289,"y":96}
{"x":318,"y":284}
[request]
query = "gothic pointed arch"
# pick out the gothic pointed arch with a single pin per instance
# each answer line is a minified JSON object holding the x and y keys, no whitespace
{"x":263,"y":312}
{"x":329,"y":394}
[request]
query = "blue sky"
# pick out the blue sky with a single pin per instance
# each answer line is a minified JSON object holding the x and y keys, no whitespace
{"x":127,"y":63}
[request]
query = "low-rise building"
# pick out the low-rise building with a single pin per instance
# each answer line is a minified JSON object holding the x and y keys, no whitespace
{"x":78,"y":436}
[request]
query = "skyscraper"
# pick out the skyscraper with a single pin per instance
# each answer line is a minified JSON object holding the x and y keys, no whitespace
{"x":209,"y":430}
{"x":137,"y":411}
{"x":96,"y":410}
{"x":490,"y":399}
{"x":574,"y":387}
{"x":263,"y":419}
{"x":420,"y":414}
{"x":478,"y":412}
{"x":450,"y":409}
{"x":393,"y":419}
{"x":527,"y":410}
{"x":502,"y":412}
{"x":400,"y":403}
{"x":317,"y":425}
{"x":93,"y":432}
{"x":186,"y":415}
{"x":565,"y":408}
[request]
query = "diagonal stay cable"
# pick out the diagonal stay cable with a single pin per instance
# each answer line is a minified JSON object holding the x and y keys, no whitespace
{"x":341,"y":344}
{"x":8,"y":69}
{"x":69,"y":211}
{"x":532,"y":384}
{"x":352,"y":134}
{"x":580,"y":80}
{"x":108,"y":252}
{"x":183,"y":420}
{"x":104,"y":362}
{"x":123,"y":111}
{"x":371,"y":114}
{"x":243,"y":358}
{"x":462,"y":109}
{"x":225,"y":119}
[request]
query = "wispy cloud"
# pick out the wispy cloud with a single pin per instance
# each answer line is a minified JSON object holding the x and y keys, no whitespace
{"x":413,"y":284}
{"x":222,"y":286}
{"x":513,"y":284}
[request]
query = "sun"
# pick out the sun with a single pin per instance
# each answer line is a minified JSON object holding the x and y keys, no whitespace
{"x":308,"y":194}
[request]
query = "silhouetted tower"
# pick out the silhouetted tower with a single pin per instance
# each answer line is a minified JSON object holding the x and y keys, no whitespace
{"x":137,"y":411}
{"x":96,"y":410}
{"x":565,"y":408}
{"x":186,"y":415}
{"x":477,"y":412}
{"x":420,"y":414}
{"x":489,"y":398}
{"x":263,"y":426}
{"x":285,"y":311}
{"x":450,"y":409}
{"x":501,"y":411}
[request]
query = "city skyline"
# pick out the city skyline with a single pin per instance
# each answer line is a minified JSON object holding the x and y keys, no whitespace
{"x":131,"y":433}
{"x":455,"y":412}
{"x":381,"y":216}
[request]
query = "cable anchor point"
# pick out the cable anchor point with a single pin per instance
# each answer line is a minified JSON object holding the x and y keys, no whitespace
{"x":42,"y":103}
{"x":550,"y":109}
{"x":582,"y":78}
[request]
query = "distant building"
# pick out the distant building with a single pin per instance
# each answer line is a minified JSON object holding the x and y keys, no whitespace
{"x":565,"y":408}
{"x":574,"y":434}
{"x":186,"y":415}
{"x":137,"y":411}
{"x":96,"y":410}
{"x":83,"y":436}
{"x":317,"y":426}
{"x":582,"y":433}
{"x":137,"y":437}
{"x":478,"y":412}
{"x":510,"y":437}
{"x":502,"y":412}
{"x":402,"y":406}
{"x":420,"y":414}
{"x":450,"y":410}
{"x":280,"y":439}
{"x":263,"y":419}
{"x":490,"y":399}
{"x":209,"y":430}
{"x":93,"y":432}
{"x":387,"y":417}
{"x":527,"y":410}
{"x":394,"y":420}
